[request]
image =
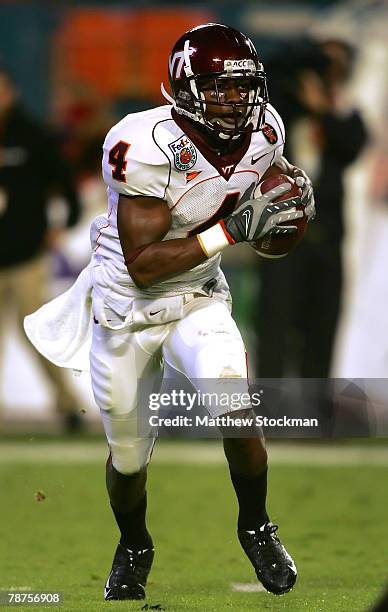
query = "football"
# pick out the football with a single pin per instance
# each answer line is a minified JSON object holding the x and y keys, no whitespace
{"x":274,"y":246}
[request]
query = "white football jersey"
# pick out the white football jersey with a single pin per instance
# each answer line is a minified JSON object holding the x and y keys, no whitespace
{"x":158,"y":153}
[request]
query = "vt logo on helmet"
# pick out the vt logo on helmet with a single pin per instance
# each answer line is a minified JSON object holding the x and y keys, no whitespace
{"x":217,"y":80}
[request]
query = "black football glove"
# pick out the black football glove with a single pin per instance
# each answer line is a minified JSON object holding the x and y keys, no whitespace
{"x":260,"y":216}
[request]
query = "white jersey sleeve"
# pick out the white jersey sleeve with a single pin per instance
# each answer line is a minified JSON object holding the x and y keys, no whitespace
{"x":273,"y":119}
{"x":133,"y":164}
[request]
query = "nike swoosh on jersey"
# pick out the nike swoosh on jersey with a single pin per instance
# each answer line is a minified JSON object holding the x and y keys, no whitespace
{"x":254,"y":161}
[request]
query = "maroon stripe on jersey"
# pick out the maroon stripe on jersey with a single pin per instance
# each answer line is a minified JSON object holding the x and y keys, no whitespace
{"x":99,"y":235}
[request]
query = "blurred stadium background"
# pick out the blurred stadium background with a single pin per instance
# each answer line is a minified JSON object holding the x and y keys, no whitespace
{"x":80,"y":66}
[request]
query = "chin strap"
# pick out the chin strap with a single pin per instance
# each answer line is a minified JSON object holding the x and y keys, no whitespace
{"x":166,"y":95}
{"x":186,"y":55}
{"x":191,"y":116}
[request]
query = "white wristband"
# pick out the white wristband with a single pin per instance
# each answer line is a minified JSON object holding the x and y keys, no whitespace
{"x":214,"y":239}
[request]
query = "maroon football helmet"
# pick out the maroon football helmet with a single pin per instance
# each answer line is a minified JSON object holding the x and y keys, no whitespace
{"x":202,"y":58}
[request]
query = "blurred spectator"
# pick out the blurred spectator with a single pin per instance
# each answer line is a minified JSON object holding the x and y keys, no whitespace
{"x":83,"y":116}
{"x":31,"y":170}
{"x":300,"y":295}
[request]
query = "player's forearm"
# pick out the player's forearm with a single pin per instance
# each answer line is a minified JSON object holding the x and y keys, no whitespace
{"x":159,"y":261}
{"x":285,"y":166}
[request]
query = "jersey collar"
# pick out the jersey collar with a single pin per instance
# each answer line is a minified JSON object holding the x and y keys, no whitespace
{"x":225,"y":164}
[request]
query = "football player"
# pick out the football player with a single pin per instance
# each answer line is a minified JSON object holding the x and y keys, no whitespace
{"x":181,"y":180}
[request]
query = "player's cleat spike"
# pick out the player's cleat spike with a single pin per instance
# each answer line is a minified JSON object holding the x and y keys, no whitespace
{"x":129,"y":573}
{"x":273,"y":565}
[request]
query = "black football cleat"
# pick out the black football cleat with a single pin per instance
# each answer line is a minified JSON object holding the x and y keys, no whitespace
{"x":273,"y":565}
{"x":129,"y":573}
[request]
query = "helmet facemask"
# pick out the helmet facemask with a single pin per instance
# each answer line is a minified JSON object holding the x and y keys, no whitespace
{"x":209,"y":93}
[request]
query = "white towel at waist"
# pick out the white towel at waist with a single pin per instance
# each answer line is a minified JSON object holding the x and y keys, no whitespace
{"x":62,"y":329}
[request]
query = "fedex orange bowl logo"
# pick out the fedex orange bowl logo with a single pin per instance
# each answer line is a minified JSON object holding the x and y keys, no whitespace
{"x":185,"y":153}
{"x":270,"y":133}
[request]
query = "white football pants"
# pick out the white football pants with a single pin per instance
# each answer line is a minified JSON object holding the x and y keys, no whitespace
{"x":205,"y":343}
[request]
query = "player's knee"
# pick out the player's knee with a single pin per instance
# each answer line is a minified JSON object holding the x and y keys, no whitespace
{"x":246,"y":455}
{"x":241,"y":426}
{"x":130,"y":457}
{"x":230,"y":372}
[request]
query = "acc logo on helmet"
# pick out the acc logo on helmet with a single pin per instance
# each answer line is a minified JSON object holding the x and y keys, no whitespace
{"x":243,"y":64}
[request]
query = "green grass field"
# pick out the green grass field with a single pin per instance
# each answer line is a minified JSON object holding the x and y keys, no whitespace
{"x":333,"y":519}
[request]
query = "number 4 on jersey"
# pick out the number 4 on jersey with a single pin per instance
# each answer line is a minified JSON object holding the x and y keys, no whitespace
{"x":117,"y":160}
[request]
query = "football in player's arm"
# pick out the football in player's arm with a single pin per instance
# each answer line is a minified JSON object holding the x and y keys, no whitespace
{"x":181,"y":184}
